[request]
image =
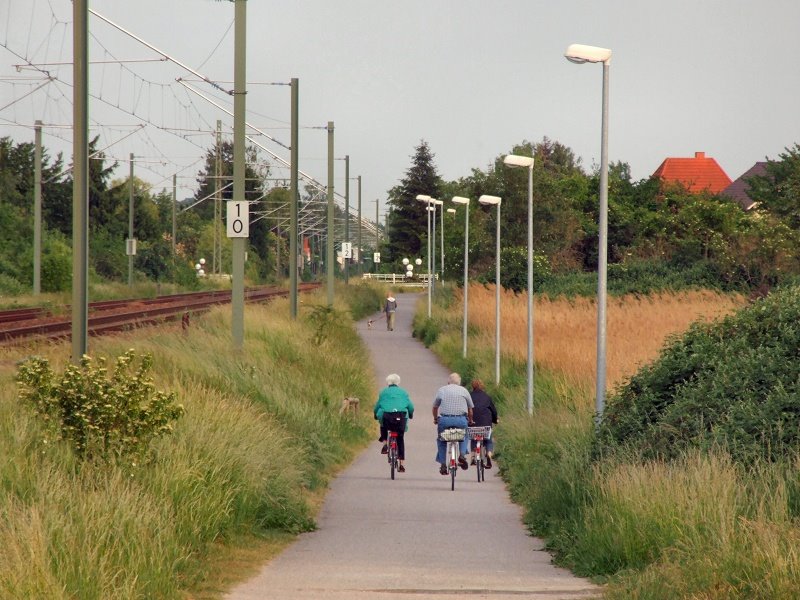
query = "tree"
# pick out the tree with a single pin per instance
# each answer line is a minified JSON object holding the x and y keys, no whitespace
{"x":407,"y":219}
{"x":255,"y":186}
{"x":777,"y":191}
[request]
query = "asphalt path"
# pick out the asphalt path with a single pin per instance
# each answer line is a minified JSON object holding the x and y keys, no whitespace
{"x":413,"y":537}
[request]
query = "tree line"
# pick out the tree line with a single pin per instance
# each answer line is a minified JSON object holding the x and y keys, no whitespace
{"x":659,"y":233}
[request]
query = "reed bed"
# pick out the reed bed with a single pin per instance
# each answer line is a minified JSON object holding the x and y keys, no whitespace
{"x":565,"y":330}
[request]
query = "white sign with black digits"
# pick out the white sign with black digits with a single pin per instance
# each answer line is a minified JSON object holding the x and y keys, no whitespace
{"x":376,"y":257}
{"x":347,"y":250}
{"x":238,"y":224}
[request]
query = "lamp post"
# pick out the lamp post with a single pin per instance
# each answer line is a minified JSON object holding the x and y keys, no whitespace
{"x":579,"y":53}
{"x":426,"y":199}
{"x":488,"y":201}
{"x":440,"y":204}
{"x":465,"y":202}
{"x":513,"y":160}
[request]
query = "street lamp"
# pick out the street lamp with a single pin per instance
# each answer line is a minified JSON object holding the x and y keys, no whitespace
{"x":579,"y":53}
{"x":516,"y":161}
{"x":465,"y":202}
{"x":440,"y":204}
{"x":488,"y":201}
{"x":425,"y":198}
{"x":432,"y":210}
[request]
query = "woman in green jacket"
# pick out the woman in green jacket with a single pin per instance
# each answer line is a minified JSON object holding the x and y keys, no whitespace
{"x":392,"y":411}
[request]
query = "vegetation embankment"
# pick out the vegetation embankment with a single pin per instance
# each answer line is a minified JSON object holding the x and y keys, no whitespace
{"x":691,"y":487}
{"x":245,"y":465}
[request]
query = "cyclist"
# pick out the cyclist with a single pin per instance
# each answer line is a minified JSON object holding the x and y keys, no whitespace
{"x":394,"y":405}
{"x":484,"y":415}
{"x":452,"y":407}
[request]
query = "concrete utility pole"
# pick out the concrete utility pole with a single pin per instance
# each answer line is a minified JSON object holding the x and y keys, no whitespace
{"x":293,"y":198}
{"x":80,"y":182}
{"x":360,"y":257}
{"x":131,"y":242}
{"x":377,"y":232}
{"x":331,"y":256}
{"x":174,"y":213}
{"x":37,"y":209}
{"x":216,"y":259}
{"x":345,"y":260}
{"x":239,"y":106}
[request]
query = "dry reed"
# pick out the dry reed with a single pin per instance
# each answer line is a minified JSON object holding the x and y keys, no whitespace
{"x":565,"y":330}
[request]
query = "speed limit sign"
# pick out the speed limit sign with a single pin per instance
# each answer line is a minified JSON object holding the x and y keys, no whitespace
{"x":238,"y":222}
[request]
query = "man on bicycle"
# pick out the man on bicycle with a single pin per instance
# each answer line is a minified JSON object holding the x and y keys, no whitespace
{"x":452,"y":407}
{"x":392,"y":411}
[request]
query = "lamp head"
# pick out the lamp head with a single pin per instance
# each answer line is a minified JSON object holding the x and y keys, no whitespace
{"x":451,"y":210}
{"x":460,"y":200}
{"x":514,"y":160}
{"x":423,"y":198}
{"x":489,"y":200}
{"x":580,"y":53}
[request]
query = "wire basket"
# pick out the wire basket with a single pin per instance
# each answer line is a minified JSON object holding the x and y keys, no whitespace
{"x":474,"y":432}
{"x":452,"y":435}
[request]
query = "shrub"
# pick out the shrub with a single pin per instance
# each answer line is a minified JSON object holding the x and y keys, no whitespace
{"x":101,"y":418}
{"x":733,"y":384}
{"x":427,"y":331}
{"x":56,"y":266}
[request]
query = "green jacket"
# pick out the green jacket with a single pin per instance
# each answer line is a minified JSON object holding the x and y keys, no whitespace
{"x":393,"y":399}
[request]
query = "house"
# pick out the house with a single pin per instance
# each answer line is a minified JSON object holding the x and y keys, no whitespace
{"x":697,"y":174}
{"x":738,"y":190}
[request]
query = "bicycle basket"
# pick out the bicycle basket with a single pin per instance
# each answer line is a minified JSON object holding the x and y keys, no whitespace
{"x":486,"y":432}
{"x":452,"y":435}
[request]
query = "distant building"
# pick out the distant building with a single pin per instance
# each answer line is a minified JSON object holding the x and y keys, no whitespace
{"x":739,"y":189}
{"x":697,"y":174}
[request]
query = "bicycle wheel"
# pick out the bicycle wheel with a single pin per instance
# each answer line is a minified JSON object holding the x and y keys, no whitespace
{"x":392,"y":458}
{"x":479,"y":460}
{"x":453,"y":465}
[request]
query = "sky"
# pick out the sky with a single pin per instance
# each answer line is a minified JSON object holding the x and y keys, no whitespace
{"x":470,"y":77}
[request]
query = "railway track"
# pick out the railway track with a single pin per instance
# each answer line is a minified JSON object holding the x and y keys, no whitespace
{"x":24,"y":325}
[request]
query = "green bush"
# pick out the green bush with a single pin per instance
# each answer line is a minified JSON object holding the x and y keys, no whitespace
{"x":101,"y":418}
{"x":427,"y":330}
{"x":733,"y":384}
{"x":56,"y":266}
{"x":10,"y":286}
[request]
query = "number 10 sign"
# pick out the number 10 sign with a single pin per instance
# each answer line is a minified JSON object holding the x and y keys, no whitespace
{"x":238,"y":214}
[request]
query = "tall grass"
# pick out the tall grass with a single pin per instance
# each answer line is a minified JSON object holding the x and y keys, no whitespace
{"x":701,"y":526}
{"x":565,"y":330}
{"x":260,"y":437}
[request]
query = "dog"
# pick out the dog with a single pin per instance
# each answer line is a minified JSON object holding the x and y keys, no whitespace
{"x":349,"y":404}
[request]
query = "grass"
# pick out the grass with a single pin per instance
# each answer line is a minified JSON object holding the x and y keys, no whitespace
{"x":698,"y":527}
{"x":246,"y":466}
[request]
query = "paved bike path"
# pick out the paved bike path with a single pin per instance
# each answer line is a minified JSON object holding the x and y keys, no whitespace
{"x":379,"y":539}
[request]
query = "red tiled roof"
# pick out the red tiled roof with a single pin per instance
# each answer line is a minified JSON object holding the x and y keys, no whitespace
{"x":697,"y":174}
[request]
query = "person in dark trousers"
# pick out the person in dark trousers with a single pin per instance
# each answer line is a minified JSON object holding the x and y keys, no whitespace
{"x":390,"y":307}
{"x":484,"y":414}
{"x":392,"y":411}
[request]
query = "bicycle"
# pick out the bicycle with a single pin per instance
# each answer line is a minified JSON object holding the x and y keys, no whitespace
{"x":478,"y":435}
{"x":394,"y":461}
{"x":453,"y":436}
{"x":394,"y":422}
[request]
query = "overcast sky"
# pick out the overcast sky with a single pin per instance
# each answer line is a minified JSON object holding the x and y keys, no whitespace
{"x":471,"y":77}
